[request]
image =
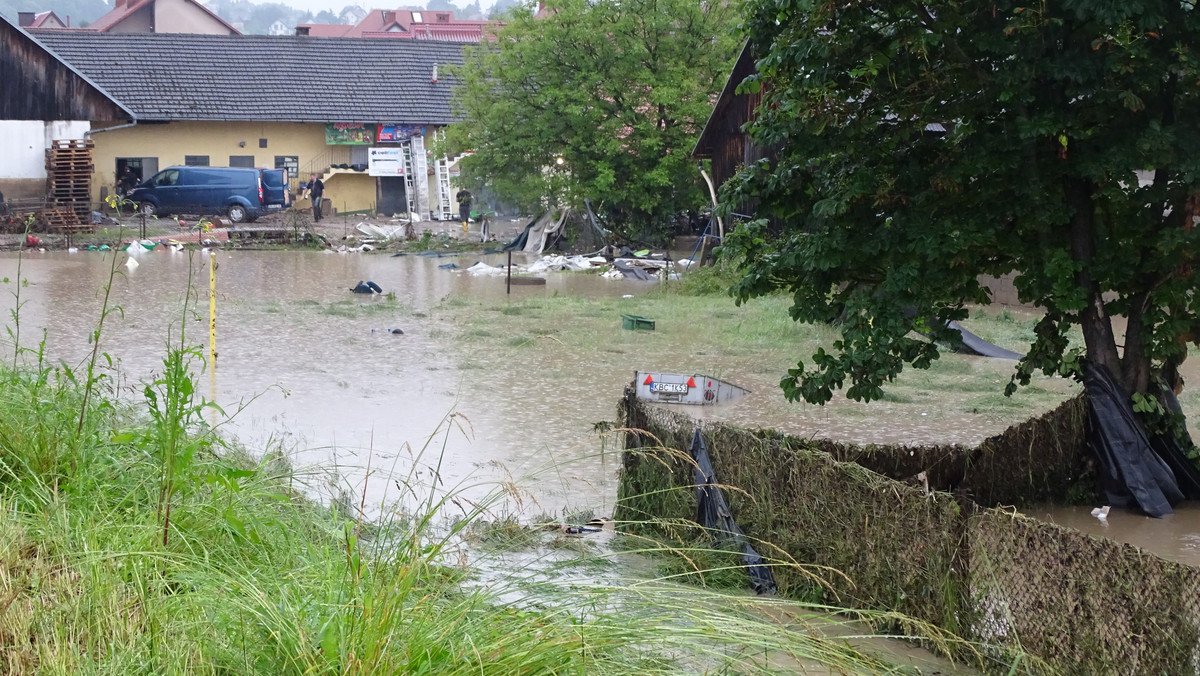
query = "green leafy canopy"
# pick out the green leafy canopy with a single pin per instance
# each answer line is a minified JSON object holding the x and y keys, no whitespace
{"x":599,"y":99}
{"x":918,"y":145}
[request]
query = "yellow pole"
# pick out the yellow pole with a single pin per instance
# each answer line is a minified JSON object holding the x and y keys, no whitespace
{"x":212,"y":310}
{"x":212,"y":331}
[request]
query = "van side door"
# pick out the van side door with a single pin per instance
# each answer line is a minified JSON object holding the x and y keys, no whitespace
{"x":275,"y":189}
{"x":166,"y":189}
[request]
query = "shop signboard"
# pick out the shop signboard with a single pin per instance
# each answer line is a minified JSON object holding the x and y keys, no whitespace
{"x":349,"y":134}
{"x":398,"y":133}
{"x":385,"y":161}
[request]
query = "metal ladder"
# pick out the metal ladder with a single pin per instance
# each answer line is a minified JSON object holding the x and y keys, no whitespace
{"x":410,"y":191}
{"x":444,"y":210}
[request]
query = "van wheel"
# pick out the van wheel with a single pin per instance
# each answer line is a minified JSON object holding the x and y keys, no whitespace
{"x":237,"y":213}
{"x":147,"y":208}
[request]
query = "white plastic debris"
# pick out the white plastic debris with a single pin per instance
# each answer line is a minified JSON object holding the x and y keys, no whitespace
{"x":1101,"y":512}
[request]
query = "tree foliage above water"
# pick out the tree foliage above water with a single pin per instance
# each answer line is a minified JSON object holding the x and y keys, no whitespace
{"x":601,"y":99}
{"x":1043,"y":115}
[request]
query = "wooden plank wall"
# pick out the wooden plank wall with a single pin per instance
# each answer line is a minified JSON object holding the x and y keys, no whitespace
{"x":36,"y":85}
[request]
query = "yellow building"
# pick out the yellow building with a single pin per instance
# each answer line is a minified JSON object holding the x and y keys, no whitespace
{"x":355,"y":112}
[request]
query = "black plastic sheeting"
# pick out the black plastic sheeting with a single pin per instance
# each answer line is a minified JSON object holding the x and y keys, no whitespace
{"x":1152,"y":474}
{"x":518,"y":243}
{"x":973,"y":344}
{"x":633,"y":272}
{"x":713,"y":513}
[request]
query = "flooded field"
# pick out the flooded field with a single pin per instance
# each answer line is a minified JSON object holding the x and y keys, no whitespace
{"x":306,"y":366}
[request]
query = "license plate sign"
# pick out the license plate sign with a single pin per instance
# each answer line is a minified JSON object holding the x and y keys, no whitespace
{"x":669,"y":388}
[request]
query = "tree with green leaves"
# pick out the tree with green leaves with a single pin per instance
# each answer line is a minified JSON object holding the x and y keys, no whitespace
{"x":599,"y":99}
{"x":918,"y":145}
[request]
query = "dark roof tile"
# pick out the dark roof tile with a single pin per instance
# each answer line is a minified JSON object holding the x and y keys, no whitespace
{"x":280,"y":78}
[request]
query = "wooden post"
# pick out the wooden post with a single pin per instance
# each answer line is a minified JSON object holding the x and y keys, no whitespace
{"x":508,"y":276}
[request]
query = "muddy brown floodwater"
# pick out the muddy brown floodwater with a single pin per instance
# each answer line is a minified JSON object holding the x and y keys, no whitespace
{"x":313,"y":369}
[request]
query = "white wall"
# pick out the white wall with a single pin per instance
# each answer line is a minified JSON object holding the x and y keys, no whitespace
{"x":23,"y":145}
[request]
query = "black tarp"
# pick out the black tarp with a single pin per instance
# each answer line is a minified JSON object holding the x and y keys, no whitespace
{"x":633,"y":272}
{"x":1135,"y":469}
{"x":518,"y":243}
{"x":973,"y":344}
{"x":713,"y":513}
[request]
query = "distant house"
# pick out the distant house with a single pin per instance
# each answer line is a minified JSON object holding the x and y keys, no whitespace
{"x":161,"y":16}
{"x":279,"y":28}
{"x":41,"y":20}
{"x":351,"y":15}
{"x":357,"y":113}
{"x":408,"y":24}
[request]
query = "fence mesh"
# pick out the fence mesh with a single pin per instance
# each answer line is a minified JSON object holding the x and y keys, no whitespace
{"x":1076,"y":603}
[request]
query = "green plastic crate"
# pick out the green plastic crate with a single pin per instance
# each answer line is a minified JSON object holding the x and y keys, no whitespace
{"x":636,"y":323}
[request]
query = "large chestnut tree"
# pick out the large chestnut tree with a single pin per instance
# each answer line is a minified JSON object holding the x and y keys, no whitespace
{"x":918,"y":145}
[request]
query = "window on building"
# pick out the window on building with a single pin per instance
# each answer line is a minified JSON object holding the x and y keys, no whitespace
{"x":195,"y":160}
{"x":245,"y":161}
{"x":416,"y":17}
{"x":289,"y":162}
{"x":262,"y":143}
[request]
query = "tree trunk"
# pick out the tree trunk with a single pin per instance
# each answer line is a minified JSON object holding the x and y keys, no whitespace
{"x":1093,"y":319}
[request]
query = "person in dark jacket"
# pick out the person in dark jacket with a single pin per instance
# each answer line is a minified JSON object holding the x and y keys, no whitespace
{"x":464,"y":206}
{"x":316,"y":192}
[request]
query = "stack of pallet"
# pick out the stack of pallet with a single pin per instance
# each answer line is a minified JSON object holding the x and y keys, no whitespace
{"x":69,"y":168}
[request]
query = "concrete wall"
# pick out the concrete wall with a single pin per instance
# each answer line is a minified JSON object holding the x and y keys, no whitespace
{"x":180,"y":16}
{"x":23,"y":147}
{"x":141,"y":21}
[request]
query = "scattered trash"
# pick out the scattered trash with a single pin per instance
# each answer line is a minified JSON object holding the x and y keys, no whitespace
{"x":131,"y":262}
{"x":1101,"y":512}
{"x":366,"y":287}
{"x":394,"y":332}
{"x":31,"y":241}
{"x":448,"y":266}
{"x":383,"y":232}
{"x":628,"y":295}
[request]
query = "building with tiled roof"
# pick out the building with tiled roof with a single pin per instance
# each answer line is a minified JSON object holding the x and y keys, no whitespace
{"x":407,"y":24}
{"x":312,"y":105}
{"x":161,"y":16}
{"x":42,"y":20}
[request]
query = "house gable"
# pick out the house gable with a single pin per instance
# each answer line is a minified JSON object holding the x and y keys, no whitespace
{"x":161,"y":16}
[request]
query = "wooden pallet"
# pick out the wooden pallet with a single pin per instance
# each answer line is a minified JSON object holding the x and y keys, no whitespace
{"x":64,"y":220}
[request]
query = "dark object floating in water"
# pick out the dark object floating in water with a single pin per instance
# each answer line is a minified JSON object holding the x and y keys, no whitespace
{"x":396,"y":332}
{"x":448,"y":266}
{"x":528,"y":281}
{"x":367,"y":287}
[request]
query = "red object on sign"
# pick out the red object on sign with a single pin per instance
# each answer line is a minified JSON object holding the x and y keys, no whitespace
{"x":649,"y":380}
{"x":691,"y":382}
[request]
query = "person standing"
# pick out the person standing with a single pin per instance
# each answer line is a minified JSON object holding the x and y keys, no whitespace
{"x":464,"y":206}
{"x":316,"y":192}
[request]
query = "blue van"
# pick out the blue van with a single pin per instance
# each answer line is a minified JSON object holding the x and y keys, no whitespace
{"x":240,"y":194}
